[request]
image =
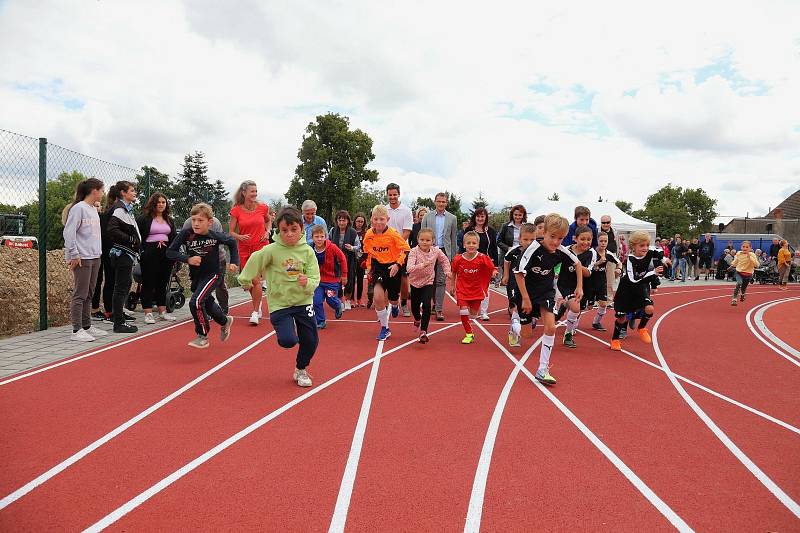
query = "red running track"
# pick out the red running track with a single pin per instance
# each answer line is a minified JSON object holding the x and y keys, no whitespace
{"x":426,"y":426}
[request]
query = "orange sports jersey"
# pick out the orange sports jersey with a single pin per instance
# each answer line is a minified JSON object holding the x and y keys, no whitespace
{"x":385,"y":248}
{"x":474,"y":276}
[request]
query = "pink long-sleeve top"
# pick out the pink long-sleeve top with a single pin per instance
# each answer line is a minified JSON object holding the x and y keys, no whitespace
{"x":421,"y":266}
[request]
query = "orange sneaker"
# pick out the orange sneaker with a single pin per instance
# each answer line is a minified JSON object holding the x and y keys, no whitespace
{"x":616,"y":345}
{"x":645,"y":336}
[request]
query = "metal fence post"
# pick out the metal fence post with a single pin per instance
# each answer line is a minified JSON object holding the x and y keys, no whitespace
{"x":42,"y":233}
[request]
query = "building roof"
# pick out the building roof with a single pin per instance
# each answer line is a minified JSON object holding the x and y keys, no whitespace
{"x":790,"y":207}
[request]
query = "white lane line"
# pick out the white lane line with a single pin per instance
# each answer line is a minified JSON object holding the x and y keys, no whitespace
{"x":703,"y":388}
{"x":230,"y":441}
{"x":762,"y":477}
{"x":637,"y":482}
{"x":63,"y":465}
{"x":764,"y":333}
{"x":351,"y":469}
{"x":475,"y":509}
{"x":103,"y":349}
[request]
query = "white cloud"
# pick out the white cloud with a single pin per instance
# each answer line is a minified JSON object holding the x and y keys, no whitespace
{"x":443,"y":88}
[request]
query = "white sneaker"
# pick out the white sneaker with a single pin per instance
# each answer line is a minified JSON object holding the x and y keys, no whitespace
{"x":96,"y":332}
{"x":254,"y":316}
{"x":148,"y":318}
{"x":82,"y":335}
{"x":347,"y":306}
{"x":485,"y":317}
{"x":169,"y":317}
{"x":302,"y":378}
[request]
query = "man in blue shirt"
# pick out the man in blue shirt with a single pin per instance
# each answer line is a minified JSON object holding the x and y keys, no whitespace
{"x":310,"y":219}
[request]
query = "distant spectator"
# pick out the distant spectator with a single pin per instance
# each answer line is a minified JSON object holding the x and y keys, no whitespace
{"x":784,"y":264}
{"x":583,"y":217}
{"x":774,"y":248}
{"x":421,"y":212}
{"x":157,"y":230}
{"x":460,"y":234}
{"x":706,"y":254}
{"x":509,"y":234}
{"x":344,"y":237}
{"x":310,"y":219}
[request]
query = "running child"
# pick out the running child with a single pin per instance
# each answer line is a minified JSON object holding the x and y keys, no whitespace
{"x":472,"y":273}
{"x":597,"y":289}
{"x":386,"y":252}
{"x":641,"y":269}
{"x":743,"y":265}
{"x":535,"y":282}
{"x":527,"y":234}
{"x":292,"y":273}
{"x":332,"y":269}
{"x":421,"y":268}
{"x":571,"y":277}
{"x":202,"y":256}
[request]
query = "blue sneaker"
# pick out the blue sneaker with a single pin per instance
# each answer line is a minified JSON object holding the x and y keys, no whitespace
{"x":322,"y":325}
{"x":339,"y":311}
{"x":384,"y":334}
{"x":395,"y":311}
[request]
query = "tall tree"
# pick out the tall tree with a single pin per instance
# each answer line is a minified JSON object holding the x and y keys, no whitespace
{"x":220,"y":202}
{"x":366,"y":197}
{"x":553,"y":197}
{"x":676,"y":210}
{"x":423,"y":201}
{"x":454,"y":206}
{"x":702,"y":209}
{"x":192,"y":186}
{"x":625,"y":207}
{"x":158,"y":181}
{"x":478,"y":202}
{"x":60,"y":192}
{"x":333,"y":160}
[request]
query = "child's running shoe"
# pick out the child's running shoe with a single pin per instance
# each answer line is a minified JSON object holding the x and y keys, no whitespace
{"x":616,"y":345}
{"x":322,"y":325}
{"x":469,"y":338}
{"x":423,"y":337}
{"x":339,"y":311}
{"x":200,"y":342}
{"x":406,"y":311}
{"x":734,"y":303}
{"x":513,"y":339}
{"x":543,"y":376}
{"x":384,"y":334}
{"x":598,"y":326}
{"x":568,"y":340}
{"x":645,"y":336}
{"x":302,"y":378}
{"x":741,"y":298}
{"x":225,"y":332}
{"x":395,"y":311}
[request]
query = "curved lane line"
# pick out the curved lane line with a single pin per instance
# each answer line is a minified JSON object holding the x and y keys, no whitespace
{"x":759,"y":474}
{"x":758,"y":321}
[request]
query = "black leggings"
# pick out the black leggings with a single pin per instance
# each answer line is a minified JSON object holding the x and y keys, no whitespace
{"x":359,"y":288}
{"x":156,"y":269}
{"x":421,"y":304}
{"x":122,"y":265}
{"x":108,"y":287}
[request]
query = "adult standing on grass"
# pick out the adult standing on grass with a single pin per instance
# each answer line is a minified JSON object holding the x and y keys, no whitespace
{"x":445,"y":227}
{"x":83,"y":247}
{"x":123,"y":235}
{"x":157,"y":229}
{"x":311,"y":219}
{"x":402,"y":220}
{"x":249,"y":225}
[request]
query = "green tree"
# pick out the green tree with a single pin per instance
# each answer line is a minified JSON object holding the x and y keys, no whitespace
{"x":333,"y":160}
{"x":702,"y":210}
{"x":220,"y":202}
{"x":366,"y":197}
{"x":158,"y":181}
{"x":676,"y":210}
{"x":478,"y":202}
{"x":553,"y":197}
{"x":454,"y":206}
{"x":500,"y":218}
{"x":423,"y":201}
{"x":60,"y":192}
{"x":625,"y":207}
{"x":192,"y":186}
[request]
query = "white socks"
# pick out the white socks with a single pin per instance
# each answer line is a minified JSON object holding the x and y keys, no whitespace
{"x":572,"y":321}
{"x":544,"y":354}
{"x":484,"y":306}
{"x":383,"y":316}
{"x":516,"y":327}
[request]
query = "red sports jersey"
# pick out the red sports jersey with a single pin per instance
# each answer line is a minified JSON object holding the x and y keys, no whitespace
{"x":474,"y":276}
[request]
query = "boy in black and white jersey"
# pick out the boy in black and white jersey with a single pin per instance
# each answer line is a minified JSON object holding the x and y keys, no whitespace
{"x":527,"y":234}
{"x":534,"y":277}
{"x":568,"y":282}
{"x":597,"y":289}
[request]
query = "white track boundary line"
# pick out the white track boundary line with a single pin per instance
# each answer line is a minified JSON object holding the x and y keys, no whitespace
{"x":763,"y":331}
{"x":762,"y":477}
{"x":703,"y":388}
{"x":71,"y":359}
{"x":230,"y":441}
{"x":630,"y":475}
{"x":351,"y":468}
{"x":74,"y":458}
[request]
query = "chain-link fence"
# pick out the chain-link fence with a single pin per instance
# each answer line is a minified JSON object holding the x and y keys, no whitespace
{"x":37,"y":180}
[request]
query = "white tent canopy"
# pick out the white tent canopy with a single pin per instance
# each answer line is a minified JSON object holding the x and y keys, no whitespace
{"x":620,"y":221}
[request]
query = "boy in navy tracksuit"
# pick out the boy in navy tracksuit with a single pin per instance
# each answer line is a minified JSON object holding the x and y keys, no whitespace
{"x":332,"y":269}
{"x":202,"y":256}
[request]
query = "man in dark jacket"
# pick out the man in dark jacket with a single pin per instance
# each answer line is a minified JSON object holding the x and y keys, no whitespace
{"x":706,"y":255}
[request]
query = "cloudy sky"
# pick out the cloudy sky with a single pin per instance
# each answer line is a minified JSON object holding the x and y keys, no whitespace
{"x":514,"y":99}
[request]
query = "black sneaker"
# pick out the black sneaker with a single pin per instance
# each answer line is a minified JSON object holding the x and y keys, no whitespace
{"x":125,"y":328}
{"x":98,"y":315}
{"x":598,"y":327}
{"x":129,"y":318}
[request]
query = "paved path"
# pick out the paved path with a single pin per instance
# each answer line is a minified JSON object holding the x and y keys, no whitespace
{"x":32,"y":350}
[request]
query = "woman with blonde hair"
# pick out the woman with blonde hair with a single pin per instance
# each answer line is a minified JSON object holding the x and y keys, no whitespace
{"x":249,"y":225}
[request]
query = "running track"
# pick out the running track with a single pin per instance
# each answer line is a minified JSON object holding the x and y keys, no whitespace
{"x":442,"y":437}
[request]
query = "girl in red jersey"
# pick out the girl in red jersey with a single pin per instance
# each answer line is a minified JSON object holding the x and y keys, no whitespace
{"x":249,"y":225}
{"x":472,"y":272}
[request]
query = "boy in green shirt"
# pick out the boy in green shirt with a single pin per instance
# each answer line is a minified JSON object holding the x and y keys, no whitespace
{"x":292,"y":272}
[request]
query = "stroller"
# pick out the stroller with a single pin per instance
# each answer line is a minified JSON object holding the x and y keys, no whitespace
{"x":175,"y":294}
{"x":766,"y":274}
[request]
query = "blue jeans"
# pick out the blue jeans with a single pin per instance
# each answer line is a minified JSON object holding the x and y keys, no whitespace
{"x":326,"y":292}
{"x":679,"y":270}
{"x":293,"y":326}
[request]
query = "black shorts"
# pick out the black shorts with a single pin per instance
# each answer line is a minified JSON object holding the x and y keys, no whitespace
{"x":391,"y":284}
{"x":594,"y":295}
{"x":705,"y":262}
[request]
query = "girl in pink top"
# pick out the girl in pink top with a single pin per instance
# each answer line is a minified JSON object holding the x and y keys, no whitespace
{"x":250,"y":224}
{"x":421,"y":268}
